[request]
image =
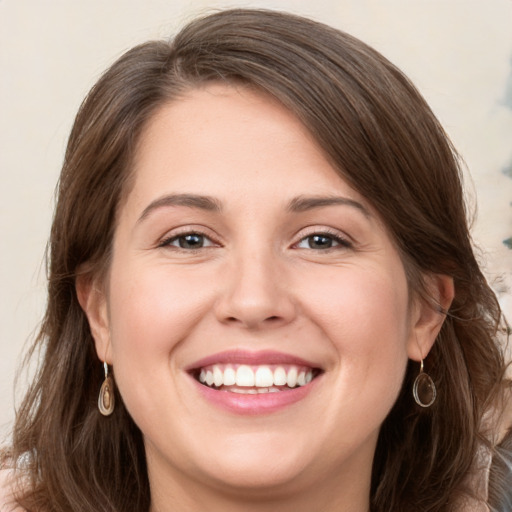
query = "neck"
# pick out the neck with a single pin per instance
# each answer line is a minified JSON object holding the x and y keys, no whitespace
{"x":217,"y":502}
{"x":340,"y":494}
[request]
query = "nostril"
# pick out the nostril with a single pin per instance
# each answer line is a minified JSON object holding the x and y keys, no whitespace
{"x":273,"y":318}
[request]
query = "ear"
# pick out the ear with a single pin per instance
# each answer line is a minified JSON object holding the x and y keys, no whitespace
{"x":429,"y":314}
{"x":93,"y":301}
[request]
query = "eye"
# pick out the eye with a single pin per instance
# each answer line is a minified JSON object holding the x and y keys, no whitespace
{"x":322,"y":241}
{"x":189,"y":241}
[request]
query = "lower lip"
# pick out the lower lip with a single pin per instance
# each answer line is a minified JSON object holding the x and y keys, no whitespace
{"x":263,"y":403}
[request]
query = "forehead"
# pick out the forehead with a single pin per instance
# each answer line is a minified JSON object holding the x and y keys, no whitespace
{"x":219,"y":138}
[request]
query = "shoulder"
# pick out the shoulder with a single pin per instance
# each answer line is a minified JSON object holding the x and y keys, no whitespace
{"x":7,"y":503}
{"x":488,"y":485}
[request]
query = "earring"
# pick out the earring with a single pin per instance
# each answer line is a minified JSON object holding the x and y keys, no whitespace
{"x":424,"y":389}
{"x":106,"y":400}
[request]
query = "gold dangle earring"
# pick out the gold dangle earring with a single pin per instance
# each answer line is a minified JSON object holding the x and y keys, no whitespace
{"x":106,"y":400}
{"x":424,"y":389}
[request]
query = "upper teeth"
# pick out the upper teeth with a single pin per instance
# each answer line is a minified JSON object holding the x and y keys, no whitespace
{"x":264,"y":376}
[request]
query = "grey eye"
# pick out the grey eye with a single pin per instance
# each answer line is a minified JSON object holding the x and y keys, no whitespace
{"x":318,"y":241}
{"x":192,"y":241}
{"x":189,"y":241}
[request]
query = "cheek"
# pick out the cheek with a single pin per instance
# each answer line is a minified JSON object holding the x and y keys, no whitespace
{"x":151,"y":312}
{"x":365,"y":316}
{"x":154,"y":305}
{"x":361,"y":304}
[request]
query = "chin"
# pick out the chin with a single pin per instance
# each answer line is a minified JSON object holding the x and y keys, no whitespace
{"x":254,"y":465}
{"x":250,"y":480}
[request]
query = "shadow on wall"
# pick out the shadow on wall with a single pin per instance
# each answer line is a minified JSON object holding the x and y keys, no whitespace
{"x":505,"y":294}
{"x":507,"y":171}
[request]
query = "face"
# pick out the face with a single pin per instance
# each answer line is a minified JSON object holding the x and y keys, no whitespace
{"x":257,"y":312}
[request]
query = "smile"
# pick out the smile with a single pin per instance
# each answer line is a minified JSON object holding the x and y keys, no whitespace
{"x":246,"y":379}
{"x":247,"y":382}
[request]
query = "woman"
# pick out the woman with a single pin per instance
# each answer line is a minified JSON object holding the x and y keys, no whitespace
{"x":262,"y":291}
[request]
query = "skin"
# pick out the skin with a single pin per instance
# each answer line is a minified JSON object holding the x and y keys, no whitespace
{"x":258,"y":283}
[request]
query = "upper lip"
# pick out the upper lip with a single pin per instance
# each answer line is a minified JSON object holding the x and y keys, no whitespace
{"x":248,"y":357}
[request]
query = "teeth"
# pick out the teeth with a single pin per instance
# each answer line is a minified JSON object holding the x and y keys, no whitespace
{"x":229,"y":376}
{"x":245,"y":376}
{"x":258,"y":379}
{"x":264,"y":377}
{"x":218,"y":377}
{"x":280,"y":376}
{"x":291,"y":378}
{"x":254,"y":391}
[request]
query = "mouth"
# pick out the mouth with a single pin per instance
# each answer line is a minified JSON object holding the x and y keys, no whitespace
{"x":253,"y":379}
{"x":250,"y":382}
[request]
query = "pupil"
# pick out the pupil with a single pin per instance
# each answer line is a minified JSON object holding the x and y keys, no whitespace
{"x":191,"y":241}
{"x":320,"y":241}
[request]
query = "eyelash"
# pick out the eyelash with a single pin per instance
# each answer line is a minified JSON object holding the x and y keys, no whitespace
{"x":167,"y":242}
{"x":340,"y":241}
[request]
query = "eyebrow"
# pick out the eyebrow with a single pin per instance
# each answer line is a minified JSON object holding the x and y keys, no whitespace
{"x":207,"y":203}
{"x":305,"y":203}
{"x":189,"y":200}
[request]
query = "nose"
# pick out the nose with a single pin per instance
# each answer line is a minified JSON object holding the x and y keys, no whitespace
{"x":255,"y":293}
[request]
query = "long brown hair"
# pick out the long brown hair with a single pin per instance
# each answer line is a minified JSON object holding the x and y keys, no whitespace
{"x":381,"y":137}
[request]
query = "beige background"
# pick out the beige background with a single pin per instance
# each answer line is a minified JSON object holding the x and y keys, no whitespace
{"x":459,"y":53}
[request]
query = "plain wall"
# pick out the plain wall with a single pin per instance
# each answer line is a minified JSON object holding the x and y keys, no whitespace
{"x":459,"y":54}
